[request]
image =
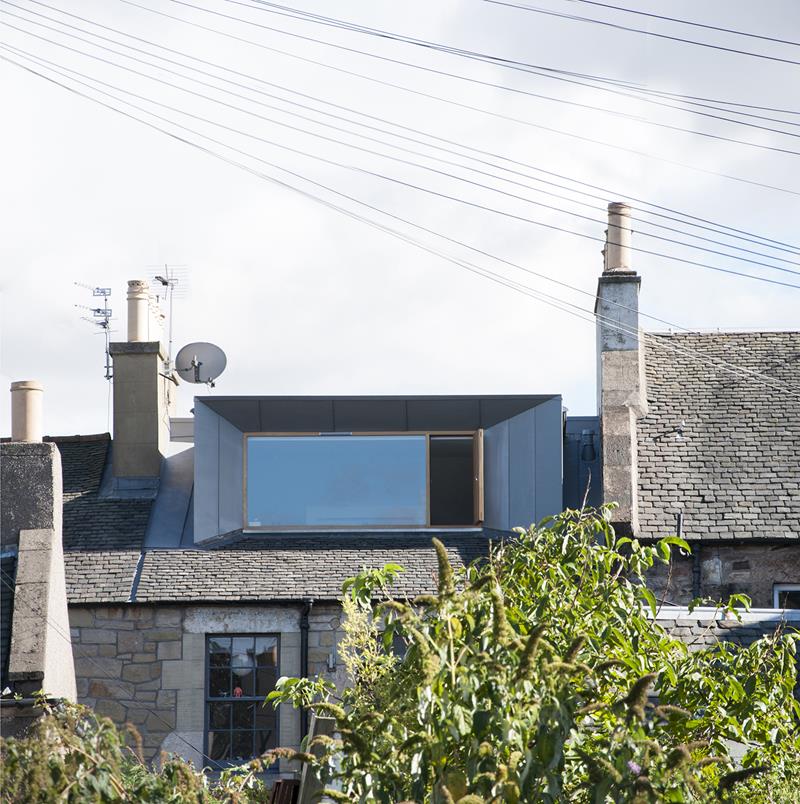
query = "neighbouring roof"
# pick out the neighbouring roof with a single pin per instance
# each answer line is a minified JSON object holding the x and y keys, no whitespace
{"x":102,"y":536}
{"x":331,"y":414}
{"x":298,"y":567}
{"x":735,"y":473}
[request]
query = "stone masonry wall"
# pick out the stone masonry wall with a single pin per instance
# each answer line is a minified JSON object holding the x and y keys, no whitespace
{"x":752,"y":569}
{"x":119,"y":654}
{"x":145,"y":664}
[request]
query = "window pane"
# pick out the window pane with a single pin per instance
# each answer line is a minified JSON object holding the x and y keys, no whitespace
{"x":219,"y":683}
{"x":336,"y":480}
{"x":243,"y":715}
{"x":243,"y":678}
{"x":265,"y":680}
{"x":241,"y":745}
{"x":265,"y":716}
{"x":452,"y":480}
{"x":267,"y":651}
{"x":265,"y":740}
{"x":242,"y":654}
{"x":219,"y":650}
{"x":219,"y":715}
{"x":219,"y":743}
{"x":789,"y":599}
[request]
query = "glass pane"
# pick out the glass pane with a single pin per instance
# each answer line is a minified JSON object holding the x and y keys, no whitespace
{"x":242,"y":652}
{"x":789,"y":599}
{"x":241,"y":745}
{"x":267,"y":651}
{"x":243,"y":678}
{"x":265,"y":740}
{"x":243,"y":715}
{"x":336,"y":480}
{"x":451,"y":478}
{"x":265,"y":716}
{"x":219,"y":682}
{"x":219,"y":743}
{"x":265,"y":680}
{"x":219,"y":651}
{"x":219,"y":715}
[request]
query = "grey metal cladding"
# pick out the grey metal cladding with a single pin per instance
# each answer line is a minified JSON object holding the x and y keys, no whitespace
{"x":349,"y":413}
{"x":735,"y":473}
{"x":297,"y":567}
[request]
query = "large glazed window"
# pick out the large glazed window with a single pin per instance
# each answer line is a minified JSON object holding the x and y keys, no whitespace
{"x":240,"y":671}
{"x":336,"y":481}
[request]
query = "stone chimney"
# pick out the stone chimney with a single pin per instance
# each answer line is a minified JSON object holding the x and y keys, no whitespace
{"x":621,"y":392}
{"x":144,"y":395}
{"x":40,"y":652}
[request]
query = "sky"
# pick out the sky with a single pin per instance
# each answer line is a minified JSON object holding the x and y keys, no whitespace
{"x":307,"y":300}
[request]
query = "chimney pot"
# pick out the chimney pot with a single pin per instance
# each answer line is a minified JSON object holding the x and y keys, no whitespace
{"x":26,"y":410}
{"x":138,"y":311}
{"x":618,"y":238}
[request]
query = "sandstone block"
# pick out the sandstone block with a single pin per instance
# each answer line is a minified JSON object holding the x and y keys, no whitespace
{"x":111,"y":709}
{"x":169,"y":650}
{"x":98,"y":636}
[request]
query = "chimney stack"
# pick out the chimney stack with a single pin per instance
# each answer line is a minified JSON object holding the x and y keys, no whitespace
{"x":621,"y":393}
{"x":26,"y":411}
{"x":143,"y":397}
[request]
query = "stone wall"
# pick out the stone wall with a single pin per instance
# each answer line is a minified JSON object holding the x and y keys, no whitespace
{"x":752,"y":569}
{"x":145,"y":664}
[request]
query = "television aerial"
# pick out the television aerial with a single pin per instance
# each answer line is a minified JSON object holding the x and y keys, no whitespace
{"x":200,"y":363}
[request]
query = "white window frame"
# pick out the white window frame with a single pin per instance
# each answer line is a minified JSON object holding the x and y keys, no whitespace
{"x":777,"y":588}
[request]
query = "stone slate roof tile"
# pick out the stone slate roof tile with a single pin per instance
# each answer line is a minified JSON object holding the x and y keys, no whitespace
{"x":736,"y":472}
{"x":297,"y":567}
{"x":102,"y":537}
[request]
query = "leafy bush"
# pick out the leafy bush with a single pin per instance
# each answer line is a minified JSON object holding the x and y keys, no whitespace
{"x":72,"y":755}
{"x":541,"y":675}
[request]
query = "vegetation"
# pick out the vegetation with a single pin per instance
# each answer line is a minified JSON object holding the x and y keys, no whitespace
{"x":539,"y":675}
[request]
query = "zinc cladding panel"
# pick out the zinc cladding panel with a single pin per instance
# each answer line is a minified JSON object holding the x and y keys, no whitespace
{"x":206,"y":472}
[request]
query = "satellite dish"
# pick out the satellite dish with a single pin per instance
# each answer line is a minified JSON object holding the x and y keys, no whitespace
{"x":200,"y":362}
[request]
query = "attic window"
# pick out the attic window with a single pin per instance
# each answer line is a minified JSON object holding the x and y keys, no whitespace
{"x":381,"y":480}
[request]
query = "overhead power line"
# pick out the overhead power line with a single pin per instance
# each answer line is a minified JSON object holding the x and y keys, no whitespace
{"x":726,"y":231}
{"x":553,"y":301}
{"x":615,"y":86}
{"x":417,"y":187}
{"x":693,"y":23}
{"x":619,"y":27}
{"x":381,"y":154}
{"x":460,"y":105}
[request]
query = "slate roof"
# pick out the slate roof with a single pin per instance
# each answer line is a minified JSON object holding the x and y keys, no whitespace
{"x":102,"y":537}
{"x":736,"y":472}
{"x":296,"y":567}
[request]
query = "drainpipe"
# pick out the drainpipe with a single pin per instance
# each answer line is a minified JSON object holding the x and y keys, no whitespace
{"x":304,"y":626}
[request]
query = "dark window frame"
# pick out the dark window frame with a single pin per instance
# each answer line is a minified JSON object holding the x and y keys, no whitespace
{"x":208,"y":699}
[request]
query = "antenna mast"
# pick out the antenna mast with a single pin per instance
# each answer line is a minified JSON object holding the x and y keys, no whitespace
{"x":101,"y":317}
{"x":168,"y":281}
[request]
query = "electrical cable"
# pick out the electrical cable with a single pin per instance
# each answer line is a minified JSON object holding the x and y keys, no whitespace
{"x":690,"y":22}
{"x":373,"y":117}
{"x":602,"y":83}
{"x":619,"y":27}
{"x":468,"y":107}
{"x":526,"y":290}
{"x":446,"y":196}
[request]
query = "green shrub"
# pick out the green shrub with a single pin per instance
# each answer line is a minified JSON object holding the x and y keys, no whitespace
{"x":541,"y":675}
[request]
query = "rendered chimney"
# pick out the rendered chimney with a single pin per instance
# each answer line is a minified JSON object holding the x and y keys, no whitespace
{"x":143,"y":396}
{"x":622,"y":397}
{"x":26,"y":411}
